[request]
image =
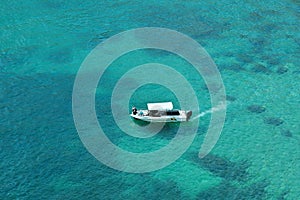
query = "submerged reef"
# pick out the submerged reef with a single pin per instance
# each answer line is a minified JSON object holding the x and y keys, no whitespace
{"x":53,"y":4}
{"x":244,"y":57}
{"x":228,"y":191}
{"x":286,"y":133}
{"x":230,"y":98}
{"x":260,"y":68}
{"x":236,"y":67}
{"x":282,"y":70}
{"x":96,"y":40}
{"x":256,"y":109}
{"x":16,"y":57}
{"x":283,"y":195}
{"x":61,"y":56}
{"x":223,"y":167}
{"x":273,"y":121}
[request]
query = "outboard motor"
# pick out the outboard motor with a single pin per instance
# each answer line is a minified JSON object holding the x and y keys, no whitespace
{"x":134,"y":110}
{"x":188,"y":115}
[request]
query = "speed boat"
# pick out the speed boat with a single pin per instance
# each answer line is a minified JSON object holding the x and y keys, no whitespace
{"x":161,"y":112}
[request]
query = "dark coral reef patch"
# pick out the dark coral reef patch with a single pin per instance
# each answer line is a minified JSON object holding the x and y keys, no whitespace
{"x":256,"y":109}
{"x":273,"y":121}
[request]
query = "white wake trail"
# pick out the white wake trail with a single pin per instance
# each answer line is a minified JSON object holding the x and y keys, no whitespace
{"x":219,"y":107}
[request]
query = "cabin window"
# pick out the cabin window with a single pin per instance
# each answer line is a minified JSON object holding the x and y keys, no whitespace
{"x":172,"y":112}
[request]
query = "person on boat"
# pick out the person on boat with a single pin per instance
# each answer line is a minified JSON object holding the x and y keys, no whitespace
{"x":141,"y":113}
{"x":134,"y":110}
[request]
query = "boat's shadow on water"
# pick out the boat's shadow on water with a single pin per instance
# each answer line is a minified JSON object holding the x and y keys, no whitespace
{"x":168,"y":131}
{"x":166,"y":125}
{"x":140,"y":122}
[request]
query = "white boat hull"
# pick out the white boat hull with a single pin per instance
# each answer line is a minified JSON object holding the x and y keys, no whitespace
{"x":183,"y":117}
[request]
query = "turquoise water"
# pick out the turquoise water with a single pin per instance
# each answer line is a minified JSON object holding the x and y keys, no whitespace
{"x":255,"y":46}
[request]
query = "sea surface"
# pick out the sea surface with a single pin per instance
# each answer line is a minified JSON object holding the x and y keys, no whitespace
{"x":255,"y":45}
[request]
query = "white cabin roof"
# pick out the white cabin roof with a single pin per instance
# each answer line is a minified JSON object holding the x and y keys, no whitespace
{"x":160,"y":106}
